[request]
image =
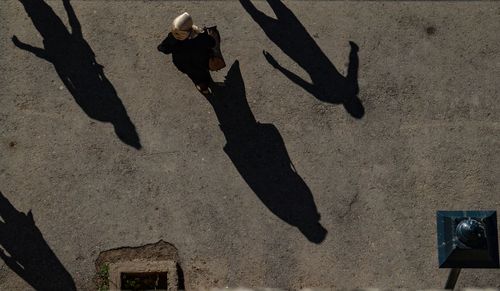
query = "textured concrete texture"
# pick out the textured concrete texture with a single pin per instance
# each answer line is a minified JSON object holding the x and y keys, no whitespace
{"x":429,"y":140}
{"x":358,"y":289}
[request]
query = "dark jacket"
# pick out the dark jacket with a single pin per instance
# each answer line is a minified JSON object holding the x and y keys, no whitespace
{"x":190,"y":56}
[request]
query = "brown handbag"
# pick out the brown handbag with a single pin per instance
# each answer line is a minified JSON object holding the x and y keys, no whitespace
{"x":216,"y":60}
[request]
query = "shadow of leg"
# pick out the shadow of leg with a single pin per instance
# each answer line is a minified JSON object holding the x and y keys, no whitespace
{"x":352,"y":103}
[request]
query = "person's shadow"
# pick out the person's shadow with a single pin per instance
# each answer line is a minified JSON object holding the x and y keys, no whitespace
{"x":259,"y":154}
{"x":25,"y":251}
{"x":77,"y":67}
{"x":292,"y":38}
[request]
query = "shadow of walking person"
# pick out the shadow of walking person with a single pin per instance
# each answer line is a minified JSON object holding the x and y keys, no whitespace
{"x":292,"y":38}
{"x":77,"y":67}
{"x":259,"y":154}
{"x":25,"y":251}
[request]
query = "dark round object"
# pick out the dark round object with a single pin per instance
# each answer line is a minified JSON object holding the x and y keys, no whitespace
{"x":471,"y":232}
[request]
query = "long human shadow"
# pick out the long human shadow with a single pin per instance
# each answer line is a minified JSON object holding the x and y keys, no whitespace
{"x":77,"y":67}
{"x":259,"y":154}
{"x":288,"y":33}
{"x":25,"y":251}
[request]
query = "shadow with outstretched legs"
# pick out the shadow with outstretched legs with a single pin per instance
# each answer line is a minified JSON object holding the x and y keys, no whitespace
{"x":25,"y":251}
{"x":77,"y":67}
{"x":259,"y":154}
{"x":292,"y":38}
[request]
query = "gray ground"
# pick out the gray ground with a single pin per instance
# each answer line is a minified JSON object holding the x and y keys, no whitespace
{"x":429,"y":140}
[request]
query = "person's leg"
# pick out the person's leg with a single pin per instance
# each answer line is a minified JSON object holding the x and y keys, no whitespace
{"x":202,"y":80}
{"x":203,"y":88}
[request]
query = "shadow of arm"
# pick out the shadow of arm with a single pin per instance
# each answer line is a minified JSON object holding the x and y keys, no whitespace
{"x":257,"y":15}
{"x":76,"y":28}
{"x":292,"y":76}
{"x":39,"y":52}
{"x":12,"y":264}
{"x":282,"y":11}
{"x":352,"y":69}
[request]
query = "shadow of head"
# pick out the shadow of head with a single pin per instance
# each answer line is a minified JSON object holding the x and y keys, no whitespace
{"x":126,"y":132}
{"x":354,"y":107}
{"x":314,"y":232}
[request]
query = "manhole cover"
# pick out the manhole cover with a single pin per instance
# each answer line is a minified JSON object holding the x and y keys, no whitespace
{"x":149,"y":267}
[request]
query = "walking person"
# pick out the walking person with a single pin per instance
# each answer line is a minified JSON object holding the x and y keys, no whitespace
{"x":191,"y":49}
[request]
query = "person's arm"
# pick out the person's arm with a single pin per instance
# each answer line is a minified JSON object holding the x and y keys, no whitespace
{"x":167,"y":45}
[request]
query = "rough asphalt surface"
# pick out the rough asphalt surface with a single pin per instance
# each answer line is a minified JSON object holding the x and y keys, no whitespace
{"x":290,"y":190}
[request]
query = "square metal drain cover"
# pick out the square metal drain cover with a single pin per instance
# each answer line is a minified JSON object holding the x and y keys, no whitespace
{"x":144,"y":281}
{"x":143,"y":275}
{"x":148,"y":267}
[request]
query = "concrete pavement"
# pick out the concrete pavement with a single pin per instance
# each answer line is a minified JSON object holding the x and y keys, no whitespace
{"x":429,"y":140}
